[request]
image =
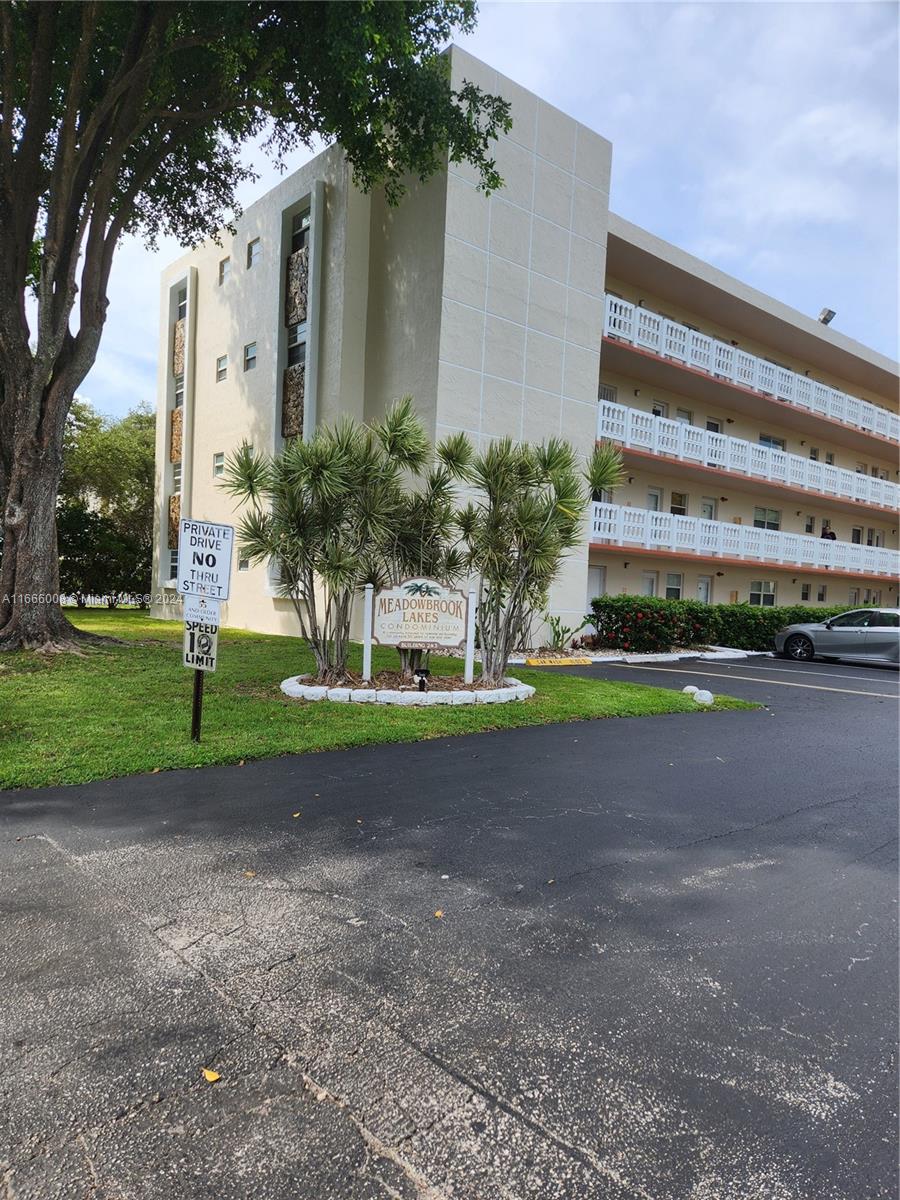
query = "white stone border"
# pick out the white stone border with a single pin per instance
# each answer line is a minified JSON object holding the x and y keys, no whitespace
{"x":298,"y":690}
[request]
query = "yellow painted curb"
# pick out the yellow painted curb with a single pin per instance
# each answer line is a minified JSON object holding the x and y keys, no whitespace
{"x":558,"y":662}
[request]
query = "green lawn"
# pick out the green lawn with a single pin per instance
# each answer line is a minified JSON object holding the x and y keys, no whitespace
{"x":122,"y":709}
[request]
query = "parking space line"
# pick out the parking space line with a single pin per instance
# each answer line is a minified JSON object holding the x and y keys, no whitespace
{"x":778,"y":682}
{"x":788,"y":670}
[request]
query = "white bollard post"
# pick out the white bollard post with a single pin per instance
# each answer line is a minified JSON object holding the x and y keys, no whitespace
{"x":469,"y":672}
{"x":368,"y":604}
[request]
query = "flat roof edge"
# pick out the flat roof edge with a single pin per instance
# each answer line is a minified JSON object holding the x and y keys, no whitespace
{"x":713,"y":277}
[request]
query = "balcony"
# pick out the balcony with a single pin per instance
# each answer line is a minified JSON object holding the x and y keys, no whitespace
{"x":651,"y":332}
{"x":674,"y":439}
{"x":658,"y":531}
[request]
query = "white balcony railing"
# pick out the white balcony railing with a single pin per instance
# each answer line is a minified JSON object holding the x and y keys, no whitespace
{"x":693,"y":535}
{"x":669,"y":339}
{"x":674,"y":439}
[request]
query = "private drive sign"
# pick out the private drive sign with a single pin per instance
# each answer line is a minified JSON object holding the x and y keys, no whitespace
{"x":204,"y":559}
{"x":420,"y":614}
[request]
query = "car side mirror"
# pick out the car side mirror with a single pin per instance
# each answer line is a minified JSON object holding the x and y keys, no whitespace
{"x":827,"y":624}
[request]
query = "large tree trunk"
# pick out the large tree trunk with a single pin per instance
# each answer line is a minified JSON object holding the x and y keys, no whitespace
{"x":31,"y":616}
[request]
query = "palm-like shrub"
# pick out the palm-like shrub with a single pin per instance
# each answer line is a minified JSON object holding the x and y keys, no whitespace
{"x":325,"y":515}
{"x":527,"y":516}
{"x":425,"y":538}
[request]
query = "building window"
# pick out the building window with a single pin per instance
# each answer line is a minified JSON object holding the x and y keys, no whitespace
{"x":708,"y":508}
{"x":879,"y":473}
{"x":219,"y":463}
{"x":673,"y":586}
{"x":774,"y":443}
{"x":250,"y":356}
{"x":243,"y":564}
{"x":822,"y":592}
{"x":179,"y":390}
{"x":176,"y":477}
{"x":862,"y":468}
{"x":253,"y":252}
{"x":829,"y":458}
{"x":654,"y":499}
{"x":804,"y":591}
{"x":607,"y":392}
{"x":221,"y":368}
{"x":679,"y":505}
{"x":713,"y":425}
{"x":884,"y":618}
{"x":173,"y":564}
{"x":296,"y":344}
{"x":648,"y":583}
{"x":810,"y":525}
{"x":659,"y":409}
{"x":854,"y":596}
{"x":814,"y":453}
{"x":224,"y":270}
{"x":856,"y":535}
{"x":299,"y":231}
{"x":762,"y":591}
{"x":683,"y":416}
{"x":767,"y":518}
{"x":182,"y":304}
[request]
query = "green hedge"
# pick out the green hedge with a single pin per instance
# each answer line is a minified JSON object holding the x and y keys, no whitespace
{"x":649,"y":623}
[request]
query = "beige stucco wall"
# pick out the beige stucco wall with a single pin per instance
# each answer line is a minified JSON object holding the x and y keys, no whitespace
{"x":522,"y":290}
{"x":628,"y":580}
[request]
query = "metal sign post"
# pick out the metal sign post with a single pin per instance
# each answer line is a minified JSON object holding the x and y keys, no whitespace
{"x":204,"y":580}
{"x":201,"y":639}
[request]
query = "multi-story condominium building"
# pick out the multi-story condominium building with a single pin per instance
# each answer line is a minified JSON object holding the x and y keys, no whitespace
{"x":748,"y":429}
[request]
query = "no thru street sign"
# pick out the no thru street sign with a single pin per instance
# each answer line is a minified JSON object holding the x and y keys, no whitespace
{"x":204,"y":559}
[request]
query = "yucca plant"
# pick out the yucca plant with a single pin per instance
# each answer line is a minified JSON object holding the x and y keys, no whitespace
{"x":527,"y":516}
{"x":425,"y":538}
{"x":325,"y":514}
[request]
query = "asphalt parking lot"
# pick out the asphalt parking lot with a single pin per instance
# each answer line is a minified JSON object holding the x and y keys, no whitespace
{"x":649,"y":959}
{"x":769,"y":681}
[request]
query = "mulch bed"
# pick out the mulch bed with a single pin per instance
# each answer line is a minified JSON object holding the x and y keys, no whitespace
{"x":394,"y":681}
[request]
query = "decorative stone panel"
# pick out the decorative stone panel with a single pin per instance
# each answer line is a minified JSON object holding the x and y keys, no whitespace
{"x":174,"y":518}
{"x":178,"y":348}
{"x":176,"y":431}
{"x":292,"y":388}
{"x":297,"y":289}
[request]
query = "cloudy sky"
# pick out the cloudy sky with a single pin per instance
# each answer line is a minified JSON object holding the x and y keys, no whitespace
{"x":759,"y":136}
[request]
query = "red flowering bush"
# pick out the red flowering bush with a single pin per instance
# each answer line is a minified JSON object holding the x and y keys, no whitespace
{"x":649,"y":624}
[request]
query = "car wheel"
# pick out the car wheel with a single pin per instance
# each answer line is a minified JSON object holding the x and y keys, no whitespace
{"x":799,"y":648}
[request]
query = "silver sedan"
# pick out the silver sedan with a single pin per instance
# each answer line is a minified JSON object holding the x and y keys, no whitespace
{"x":869,"y":634}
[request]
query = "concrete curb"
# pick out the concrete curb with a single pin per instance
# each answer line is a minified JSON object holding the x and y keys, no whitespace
{"x":297,"y":690}
{"x":714,"y":653}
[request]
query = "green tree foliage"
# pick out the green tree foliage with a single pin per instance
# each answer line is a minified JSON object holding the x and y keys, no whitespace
{"x":110,"y":464}
{"x":98,"y":559}
{"x":326,"y":515}
{"x":527,"y":515}
{"x":130,"y":118}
